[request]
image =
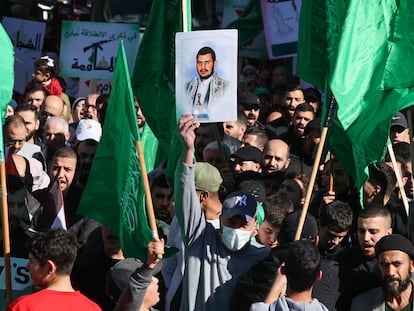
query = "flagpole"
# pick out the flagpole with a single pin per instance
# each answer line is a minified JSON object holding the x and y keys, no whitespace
{"x":6,"y":233}
{"x":331,"y":173}
{"x":184,"y":6}
{"x":329,"y":117}
{"x":410,"y":132}
{"x":148,"y":199}
{"x":398,"y":175}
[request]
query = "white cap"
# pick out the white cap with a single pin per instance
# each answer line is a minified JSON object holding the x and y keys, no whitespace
{"x":88,"y":129}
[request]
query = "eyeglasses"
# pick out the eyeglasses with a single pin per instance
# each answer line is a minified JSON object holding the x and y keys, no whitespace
{"x":12,"y":142}
{"x":47,"y":114}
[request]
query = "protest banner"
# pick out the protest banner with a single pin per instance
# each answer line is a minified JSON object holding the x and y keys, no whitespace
{"x":88,"y":50}
{"x":281,"y":25}
{"x":27,"y":37}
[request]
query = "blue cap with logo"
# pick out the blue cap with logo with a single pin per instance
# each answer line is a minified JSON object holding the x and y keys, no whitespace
{"x":240,"y":203}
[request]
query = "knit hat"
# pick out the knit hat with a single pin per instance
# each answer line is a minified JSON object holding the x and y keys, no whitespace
{"x":394,"y":242}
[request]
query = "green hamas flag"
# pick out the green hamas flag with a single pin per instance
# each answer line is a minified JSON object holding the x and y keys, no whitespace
{"x":375,"y":41}
{"x":320,"y":24}
{"x":6,"y":80}
{"x":114,"y":195}
{"x":153,"y":80}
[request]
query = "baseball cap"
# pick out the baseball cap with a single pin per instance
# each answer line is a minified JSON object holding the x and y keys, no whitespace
{"x":248,"y":99}
{"x":248,"y":153}
{"x":239,"y":203}
{"x":207,"y":177}
{"x":290,"y":224}
{"x":118,"y":276}
{"x":88,"y":129}
{"x":399,"y":119}
{"x":394,"y":242}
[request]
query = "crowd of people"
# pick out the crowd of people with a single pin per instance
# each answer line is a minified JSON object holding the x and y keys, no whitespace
{"x":232,"y":209}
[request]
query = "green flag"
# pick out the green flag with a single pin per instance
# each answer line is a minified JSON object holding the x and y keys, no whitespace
{"x":153,"y":80}
{"x":114,"y":195}
{"x":369,"y":80}
{"x":249,"y":24}
{"x":6,"y":80}
{"x":320,"y":24}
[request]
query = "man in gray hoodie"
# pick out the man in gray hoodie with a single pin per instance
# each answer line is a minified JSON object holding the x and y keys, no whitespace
{"x":214,"y":258}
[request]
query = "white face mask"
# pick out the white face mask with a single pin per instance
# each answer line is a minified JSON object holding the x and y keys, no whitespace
{"x":235,"y":239}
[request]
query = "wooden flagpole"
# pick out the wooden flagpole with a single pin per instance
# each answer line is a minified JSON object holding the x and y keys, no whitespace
{"x":399,"y":181}
{"x":329,"y":117}
{"x":6,"y":232}
{"x":148,"y":199}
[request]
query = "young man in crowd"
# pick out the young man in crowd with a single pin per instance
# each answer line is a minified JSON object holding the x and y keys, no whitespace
{"x":51,"y":257}
{"x":302,"y":268}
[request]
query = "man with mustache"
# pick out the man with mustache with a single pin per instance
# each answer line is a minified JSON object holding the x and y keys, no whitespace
{"x":88,"y":135}
{"x":249,"y":103}
{"x":208,"y":88}
{"x":31,"y":119}
{"x":56,"y":136}
{"x":395,"y":261}
{"x":359,"y":265}
{"x":91,"y":111}
{"x":304,"y":113}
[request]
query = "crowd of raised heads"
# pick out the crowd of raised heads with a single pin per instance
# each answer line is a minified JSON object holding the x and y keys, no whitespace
{"x":231,"y":210}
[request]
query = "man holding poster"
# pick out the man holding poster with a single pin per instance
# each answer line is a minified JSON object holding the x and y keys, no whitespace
{"x":208,"y":87}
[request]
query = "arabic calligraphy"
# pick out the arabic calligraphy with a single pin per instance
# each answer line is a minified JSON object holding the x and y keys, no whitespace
{"x":89,"y":49}
{"x":22,"y":41}
{"x":102,"y":64}
{"x":100,"y":34}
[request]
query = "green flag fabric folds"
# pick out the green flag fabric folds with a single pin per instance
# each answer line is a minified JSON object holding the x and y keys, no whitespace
{"x":153,"y":80}
{"x":319,"y":29}
{"x":250,"y":23}
{"x":114,"y":194}
{"x":365,"y":74}
{"x":6,"y":79}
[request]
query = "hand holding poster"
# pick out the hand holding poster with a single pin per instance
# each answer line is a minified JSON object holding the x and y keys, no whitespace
{"x":206,"y":74}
